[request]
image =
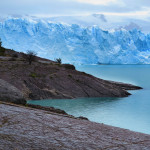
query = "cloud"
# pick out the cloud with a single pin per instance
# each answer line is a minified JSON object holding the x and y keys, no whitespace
{"x":75,"y":7}
{"x":100,"y":16}
{"x":97,"y":2}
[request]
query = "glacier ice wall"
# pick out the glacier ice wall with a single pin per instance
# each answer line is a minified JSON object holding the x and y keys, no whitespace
{"x":76,"y":44}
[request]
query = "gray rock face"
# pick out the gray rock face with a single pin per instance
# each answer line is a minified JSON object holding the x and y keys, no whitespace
{"x":45,"y":79}
{"x":53,"y":81}
{"x":10,"y":93}
{"x":23,"y":128}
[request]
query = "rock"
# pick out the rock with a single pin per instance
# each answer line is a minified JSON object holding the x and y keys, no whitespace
{"x":69,"y":66}
{"x":52,"y":81}
{"x":23,"y":128}
{"x":9,"y":93}
{"x":51,"y":109}
{"x":126,"y":86}
{"x":83,"y":118}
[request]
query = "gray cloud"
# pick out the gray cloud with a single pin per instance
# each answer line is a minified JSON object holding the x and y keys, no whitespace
{"x":101,"y":17}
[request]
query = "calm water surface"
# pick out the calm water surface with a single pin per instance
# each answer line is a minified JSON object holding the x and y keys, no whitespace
{"x":132,"y":112}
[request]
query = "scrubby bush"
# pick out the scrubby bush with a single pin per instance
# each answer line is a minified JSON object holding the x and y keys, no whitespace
{"x":58,"y":60}
{"x":2,"y":50}
{"x":15,"y":55}
{"x":33,"y":75}
{"x":30,"y":56}
{"x":69,"y":75}
{"x":0,"y":43}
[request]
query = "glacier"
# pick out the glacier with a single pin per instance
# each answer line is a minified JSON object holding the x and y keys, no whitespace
{"x":76,"y":44}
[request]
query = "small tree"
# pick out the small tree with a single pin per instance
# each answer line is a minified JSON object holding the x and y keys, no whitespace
{"x":30,"y":56}
{"x":58,"y":60}
{"x":0,"y":43}
{"x":2,"y":50}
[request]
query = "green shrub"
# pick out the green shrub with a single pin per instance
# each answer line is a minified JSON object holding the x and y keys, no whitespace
{"x":33,"y":75}
{"x":58,"y":60}
{"x":2,"y":50}
{"x":51,"y":77}
{"x":69,"y":75}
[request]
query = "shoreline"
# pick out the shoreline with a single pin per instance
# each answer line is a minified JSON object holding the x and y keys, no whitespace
{"x":45,"y":79}
{"x":58,"y":131}
{"x":60,"y":112}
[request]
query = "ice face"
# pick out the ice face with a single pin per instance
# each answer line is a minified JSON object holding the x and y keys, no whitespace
{"x":76,"y":44}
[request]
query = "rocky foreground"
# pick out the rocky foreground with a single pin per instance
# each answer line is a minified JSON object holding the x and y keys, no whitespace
{"x":23,"y":128}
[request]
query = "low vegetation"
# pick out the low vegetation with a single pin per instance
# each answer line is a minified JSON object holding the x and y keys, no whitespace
{"x":30,"y":56}
{"x":59,"y":61}
{"x":33,"y":75}
{"x":2,"y":50}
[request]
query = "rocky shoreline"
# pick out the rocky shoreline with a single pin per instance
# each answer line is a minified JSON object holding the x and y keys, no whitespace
{"x":45,"y":79}
{"x":27,"y":128}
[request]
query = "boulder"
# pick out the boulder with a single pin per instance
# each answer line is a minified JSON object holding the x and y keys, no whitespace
{"x":69,"y":66}
{"x":9,"y":93}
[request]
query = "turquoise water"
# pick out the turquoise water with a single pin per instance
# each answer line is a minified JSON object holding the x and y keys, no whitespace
{"x":132,"y":112}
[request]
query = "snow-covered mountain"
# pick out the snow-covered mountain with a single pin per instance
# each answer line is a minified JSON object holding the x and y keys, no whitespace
{"x":75,"y":43}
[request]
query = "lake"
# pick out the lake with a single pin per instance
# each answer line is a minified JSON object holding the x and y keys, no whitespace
{"x":131,"y":112}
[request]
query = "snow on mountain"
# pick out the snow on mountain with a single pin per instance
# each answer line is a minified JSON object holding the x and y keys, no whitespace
{"x":77,"y":44}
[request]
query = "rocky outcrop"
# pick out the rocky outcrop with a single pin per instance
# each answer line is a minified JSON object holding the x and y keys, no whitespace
{"x":51,"y":109}
{"x":51,"y":81}
{"x":26,"y":128}
{"x":45,"y":79}
{"x":125,"y":86}
{"x":9,"y":93}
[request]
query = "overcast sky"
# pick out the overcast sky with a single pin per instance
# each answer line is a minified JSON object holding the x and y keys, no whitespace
{"x":74,"y":7}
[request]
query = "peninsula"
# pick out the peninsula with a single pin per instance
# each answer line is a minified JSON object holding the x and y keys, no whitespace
{"x":46,"y":79}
